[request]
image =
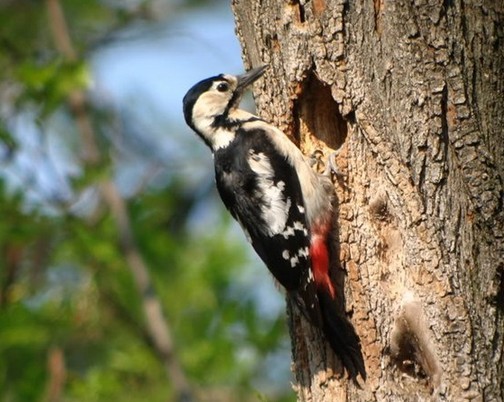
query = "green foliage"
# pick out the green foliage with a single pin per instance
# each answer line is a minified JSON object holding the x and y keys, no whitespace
{"x":50,"y":85}
{"x":91,"y":309}
{"x":65,"y":285}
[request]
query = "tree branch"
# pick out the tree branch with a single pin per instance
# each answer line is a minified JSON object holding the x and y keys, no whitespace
{"x":157,"y":325}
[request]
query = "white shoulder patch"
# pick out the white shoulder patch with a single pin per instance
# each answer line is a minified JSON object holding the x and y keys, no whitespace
{"x":316,"y":198}
{"x":222,"y":138}
{"x":260,"y":164}
{"x":275,"y":205}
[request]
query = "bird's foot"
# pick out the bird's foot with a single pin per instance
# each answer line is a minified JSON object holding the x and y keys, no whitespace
{"x":327,"y":168}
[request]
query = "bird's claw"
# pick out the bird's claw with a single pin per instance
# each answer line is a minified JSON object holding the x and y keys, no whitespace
{"x":329,"y":167}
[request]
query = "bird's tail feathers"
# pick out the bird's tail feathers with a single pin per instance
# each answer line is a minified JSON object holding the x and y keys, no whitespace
{"x":342,"y":337}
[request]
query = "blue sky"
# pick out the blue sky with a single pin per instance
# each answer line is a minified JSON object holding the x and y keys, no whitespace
{"x":198,"y":44}
{"x":159,"y":69}
{"x":148,"y":76}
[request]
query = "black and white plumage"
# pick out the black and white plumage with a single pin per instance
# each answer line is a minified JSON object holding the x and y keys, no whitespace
{"x":283,"y":206}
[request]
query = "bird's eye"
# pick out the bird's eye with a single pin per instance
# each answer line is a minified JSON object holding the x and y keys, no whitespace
{"x":222,"y":87}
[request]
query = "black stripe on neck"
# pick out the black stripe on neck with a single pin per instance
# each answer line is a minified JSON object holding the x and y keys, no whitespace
{"x":223,"y":121}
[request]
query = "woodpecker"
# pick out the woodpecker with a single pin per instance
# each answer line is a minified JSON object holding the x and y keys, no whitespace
{"x":284,"y":207}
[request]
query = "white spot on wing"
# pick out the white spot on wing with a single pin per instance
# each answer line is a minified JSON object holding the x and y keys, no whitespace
{"x":303,"y":252}
{"x":317,"y":196}
{"x":289,"y":231}
{"x":285,"y":254}
{"x":298,"y":226}
{"x":294,"y":261}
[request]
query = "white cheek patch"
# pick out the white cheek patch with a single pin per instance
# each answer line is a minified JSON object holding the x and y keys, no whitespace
{"x":209,"y":105}
{"x":206,"y":109}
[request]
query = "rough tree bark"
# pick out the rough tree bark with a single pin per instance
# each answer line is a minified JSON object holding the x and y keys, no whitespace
{"x":411,"y":93}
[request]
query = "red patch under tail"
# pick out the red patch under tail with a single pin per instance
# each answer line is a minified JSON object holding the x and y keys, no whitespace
{"x":337,"y":328}
{"x":320,"y":263}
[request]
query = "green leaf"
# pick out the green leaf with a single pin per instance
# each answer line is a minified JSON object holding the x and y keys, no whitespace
{"x":51,"y":84}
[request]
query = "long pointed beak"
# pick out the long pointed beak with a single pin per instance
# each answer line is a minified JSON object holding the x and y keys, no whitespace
{"x":248,"y":78}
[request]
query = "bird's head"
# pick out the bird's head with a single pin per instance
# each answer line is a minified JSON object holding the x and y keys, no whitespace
{"x":209,"y":105}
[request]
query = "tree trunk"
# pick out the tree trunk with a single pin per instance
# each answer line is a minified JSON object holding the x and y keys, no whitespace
{"x":411,"y":94}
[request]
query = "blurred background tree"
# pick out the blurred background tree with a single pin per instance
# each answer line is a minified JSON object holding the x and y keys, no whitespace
{"x":121,"y":277}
